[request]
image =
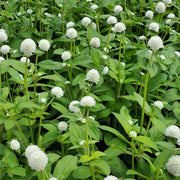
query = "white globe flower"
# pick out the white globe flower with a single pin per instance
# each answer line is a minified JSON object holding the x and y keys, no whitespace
{"x":28,"y":46}
{"x":14,"y":144}
{"x":88,"y":0}
{"x":21,"y":76}
{"x":118,"y":9}
{"x":178,"y":141}
{"x":133,"y":134}
{"x":62,"y":126}
{"x":111,"y":20}
{"x":69,"y":24}
{"x":91,"y":117}
{"x":162,"y":57}
{"x":130,"y":122}
{"x":94,"y":25}
{"x":158,"y":104}
{"x":95,"y":42}
{"x":171,"y":16}
{"x":177,"y":53}
{"x":168,"y":21}
{"x":142,"y":37}
{"x":5,"y":49}
{"x":3,"y":37}
{"x":30,"y":149}
{"x":3,"y":30}
{"x":86,"y":21}
{"x":119,"y":27}
{"x":57,"y":91}
{"x":105,"y":70}
{"x":82,"y":142}
{"x":111,"y":177}
{"x":48,"y":15}
{"x":123,"y":64}
{"x":59,"y":15}
{"x":63,"y":64}
{"x":53,"y":178}
{"x":160,"y":8}
{"x":94,"y":7}
{"x":19,"y":13}
{"x":167,"y":2}
{"x":23,"y":60}
{"x":173,"y":165}
{"x":83,"y":120}
{"x":154,"y":26}
{"x":74,"y":108}
{"x":38,"y":160}
{"x":43,"y":100}
{"x":105,"y":57}
{"x":93,"y":76}
{"x":44,"y":45}
{"x":155,"y":43}
{"x":71,"y":33}
{"x":87,"y":101}
{"x":149,"y":14}
{"x":1,"y":59}
{"x":29,"y":11}
{"x":66,"y":55}
{"x":172,"y":131}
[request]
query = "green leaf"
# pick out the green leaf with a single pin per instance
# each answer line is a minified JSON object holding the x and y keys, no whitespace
{"x":49,"y":64}
{"x":160,"y":125}
{"x":29,"y":104}
{"x":97,"y":154}
{"x":9,"y":124}
{"x":18,"y":65}
{"x":65,"y":166}
{"x":82,"y":172}
{"x":19,"y":171}
{"x":59,"y":107}
{"x":85,"y":158}
{"x":96,"y":57}
{"x":172,"y":95}
{"x":133,"y":172}
{"x":52,"y":77}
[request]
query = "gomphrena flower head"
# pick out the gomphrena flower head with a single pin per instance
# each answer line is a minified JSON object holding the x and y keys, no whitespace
{"x":3,"y":36}
{"x":5,"y":49}
{"x":155,"y":43}
{"x":87,"y":101}
{"x":69,"y":24}
{"x":93,"y":76}
{"x":162,"y":57}
{"x":111,"y":177}
{"x":62,"y":126}
{"x":172,"y":131}
{"x":94,"y":7}
{"x":14,"y":144}
{"x":53,"y":178}
{"x":177,"y":53}
{"x":38,"y":160}
{"x":154,"y":26}
{"x":118,"y":9}
{"x":167,"y":2}
{"x":142,"y":37}
{"x":105,"y":70}
{"x":57,"y":91}
{"x":95,"y":42}
{"x":86,"y":21}
{"x":149,"y":14}
{"x":71,"y":33}
{"x":119,"y":27}
{"x":73,"y":107}
{"x":160,"y":7}
{"x":158,"y":104}
{"x":133,"y":134}
{"x":23,"y":60}
{"x":171,"y":16}
{"x":66,"y":55}
{"x":30,"y":149}
{"x":111,"y":20}
{"x":28,"y":47}
{"x":44,"y":44}
{"x":1,"y":59}
{"x":173,"y":165}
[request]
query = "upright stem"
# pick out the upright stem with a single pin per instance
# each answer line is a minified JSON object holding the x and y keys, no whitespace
{"x":107,"y":47}
{"x":62,"y":145}
{"x":0,"y":78}
{"x":87,"y":139}
{"x":92,"y":172}
{"x":25,"y":80}
{"x":40,"y":123}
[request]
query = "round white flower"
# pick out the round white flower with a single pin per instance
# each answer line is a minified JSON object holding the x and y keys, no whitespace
{"x":149,"y":14}
{"x":1,"y":59}
{"x":178,"y":141}
{"x":155,"y":43}
{"x":119,"y":27}
{"x":82,"y":142}
{"x":173,"y":165}
{"x":142,"y":37}
{"x":66,"y":55}
{"x":94,"y":25}
{"x":63,"y":64}
{"x":53,"y":178}
{"x":60,"y":5}
{"x":160,"y":7}
{"x":177,"y":53}
{"x":67,"y":82}
{"x":105,"y":49}
{"x":28,"y":46}
{"x":105,"y":70}
{"x":86,"y":21}
{"x":168,"y":21}
{"x":38,"y":160}
{"x":93,"y":76}
{"x":142,"y":73}
{"x":111,"y":177}
{"x":14,"y":51}
{"x":43,"y":100}
{"x":118,"y":9}
{"x":123,"y":64}
{"x":91,"y":117}
{"x":57,"y":91}
{"x":29,"y":11}
{"x":87,"y":101}
{"x":83,"y":120}
{"x":44,"y":45}
{"x":94,"y":7}
{"x":133,"y":134}
{"x":14,"y":144}
{"x":30,"y":149}
{"x":5,"y":49}
{"x":70,"y":24}
{"x":111,"y":20}
{"x":71,"y":33}
{"x":19,"y":13}
{"x":3,"y":30}
{"x":171,"y":16}
{"x":48,"y":15}
{"x":105,"y":57}
{"x":21,"y":76}
{"x":74,"y":108}
{"x":154,"y":26}
{"x":23,"y":60}
{"x":59,"y":15}
{"x":162,"y":57}
{"x":167,"y":2}
{"x":158,"y":104}
{"x":95,"y":42}
{"x":130,"y":122}
{"x":88,"y":0}
{"x":172,"y":131}
{"x":62,"y":126}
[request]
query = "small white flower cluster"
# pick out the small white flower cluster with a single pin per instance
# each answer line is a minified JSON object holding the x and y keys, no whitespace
{"x":105,"y":70}
{"x":172,"y":131}
{"x":86,"y":21}
{"x":14,"y":144}
{"x":37,"y":159}
{"x":158,"y":104}
{"x":160,"y":7}
{"x":69,"y":24}
{"x":93,"y":76}
{"x":111,"y":177}
{"x":57,"y":91}
{"x":29,"y":11}
{"x":119,"y":27}
{"x":154,"y":27}
{"x":5,"y":49}
{"x":74,"y":108}
{"x":111,"y":20}
{"x":71,"y":33}
{"x":23,"y":60}
{"x":82,"y":142}
{"x":162,"y":57}
{"x":1,"y":59}
{"x":118,"y":9}
{"x":173,"y":165}
{"x":66,"y":55}
{"x":53,"y":178}
{"x":133,"y":134}
{"x":177,"y":53}
{"x":44,"y":45}
{"x":62,"y":126}
{"x":142,"y":37}
{"x":171,"y":16}
{"x":48,"y":15}
{"x":94,"y":7}
{"x":167,"y":2}
{"x":155,"y":43}
{"x":87,"y":101}
{"x":149,"y":14}
{"x":3,"y":36}
{"x":95,"y":42}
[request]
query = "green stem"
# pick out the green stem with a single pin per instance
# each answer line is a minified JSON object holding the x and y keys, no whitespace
{"x":43,"y":175}
{"x":21,"y":133}
{"x":0,"y":78}
{"x":87,"y":138}
{"x":92,"y":172}
{"x":40,"y":123}
{"x":25,"y":80}
{"x":46,"y":174}
{"x":107,"y":46}
{"x":71,"y":47}
{"x":62,"y":145}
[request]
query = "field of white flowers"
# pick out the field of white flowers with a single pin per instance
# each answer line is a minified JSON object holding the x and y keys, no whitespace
{"x":89,"y":90}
